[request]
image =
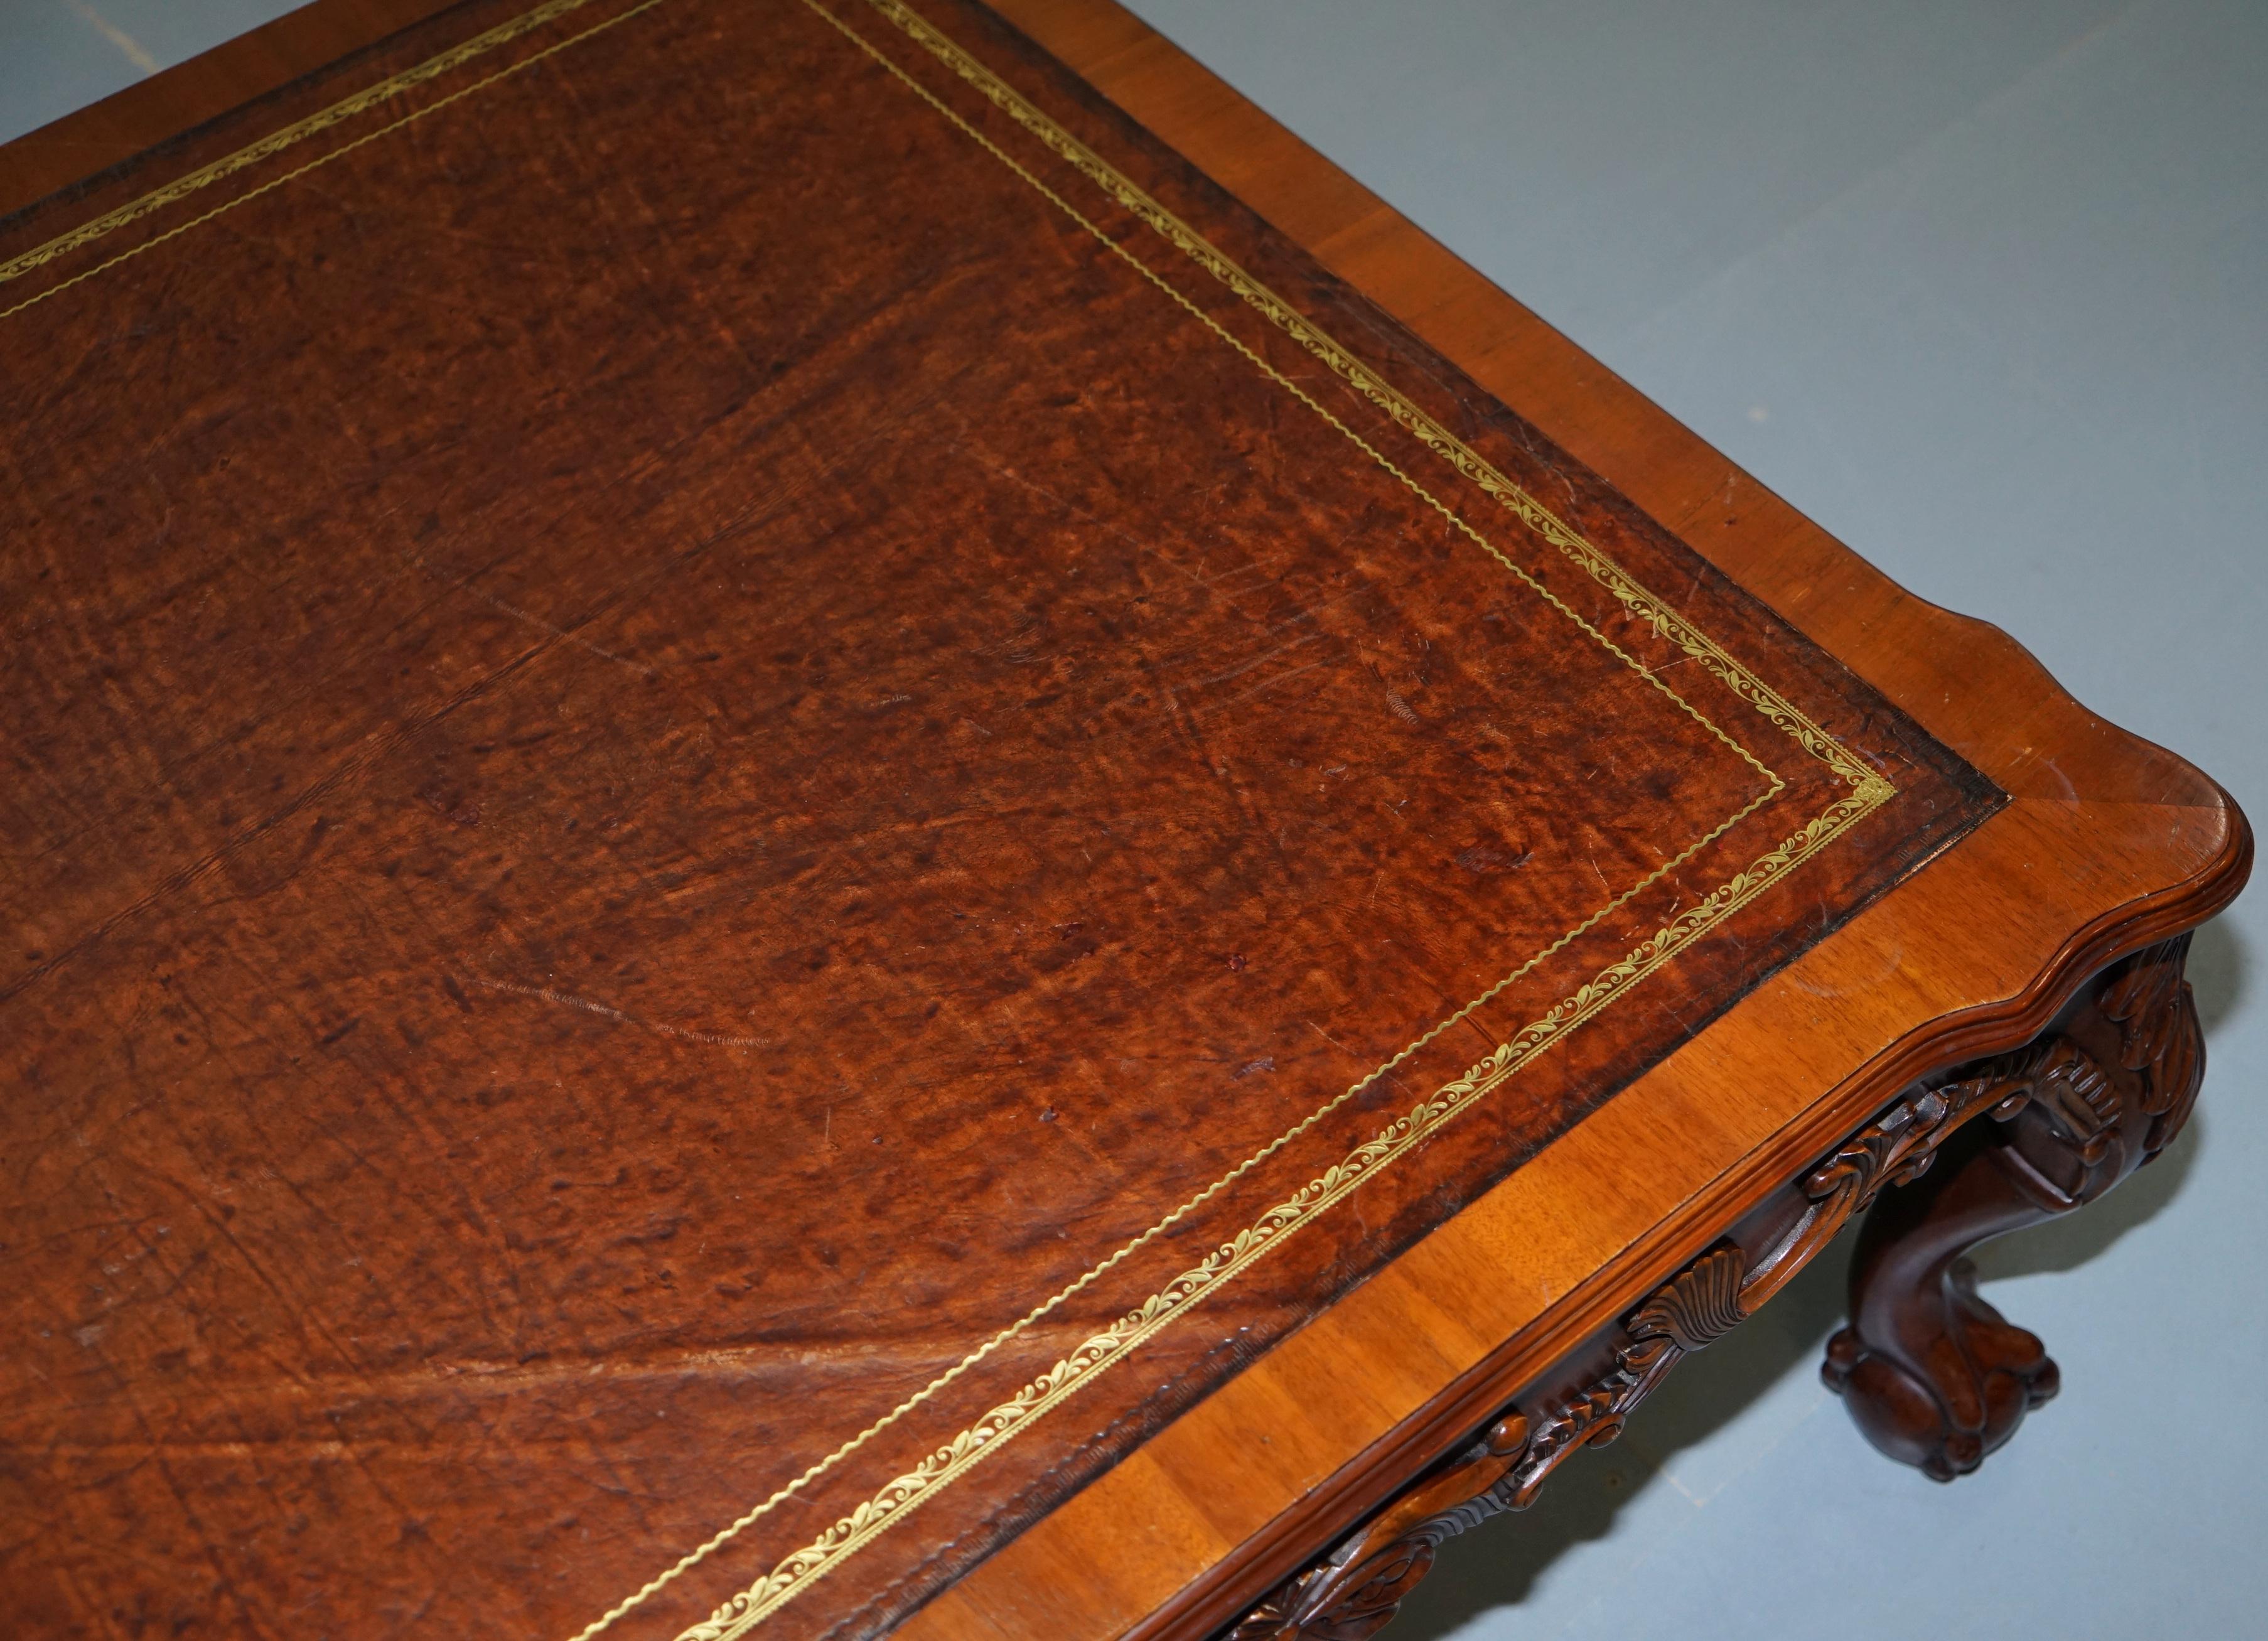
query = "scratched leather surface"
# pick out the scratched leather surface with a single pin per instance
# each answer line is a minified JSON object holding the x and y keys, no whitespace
{"x":673,"y":749}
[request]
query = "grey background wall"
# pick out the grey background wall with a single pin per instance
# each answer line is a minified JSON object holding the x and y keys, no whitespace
{"x":1984,"y":289}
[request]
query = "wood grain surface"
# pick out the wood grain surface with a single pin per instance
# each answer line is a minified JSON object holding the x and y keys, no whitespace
{"x":707,"y":697}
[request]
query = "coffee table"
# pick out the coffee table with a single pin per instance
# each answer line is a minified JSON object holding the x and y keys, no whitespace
{"x":835,"y":817}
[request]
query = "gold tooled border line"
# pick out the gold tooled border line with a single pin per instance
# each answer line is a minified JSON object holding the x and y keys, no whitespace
{"x":181,"y":187}
{"x":1871,"y":790}
{"x":1468,"y":462}
{"x":276,"y":142}
{"x":933,"y":1473}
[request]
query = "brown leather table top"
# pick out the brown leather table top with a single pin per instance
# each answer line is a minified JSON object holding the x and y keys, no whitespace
{"x":762,"y":786}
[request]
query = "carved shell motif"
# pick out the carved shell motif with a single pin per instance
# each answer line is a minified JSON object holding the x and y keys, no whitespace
{"x":1702,"y":1304}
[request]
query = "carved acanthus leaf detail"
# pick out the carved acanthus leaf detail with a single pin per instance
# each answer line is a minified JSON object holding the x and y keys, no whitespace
{"x":2159,"y":1035}
{"x":1350,"y":1594}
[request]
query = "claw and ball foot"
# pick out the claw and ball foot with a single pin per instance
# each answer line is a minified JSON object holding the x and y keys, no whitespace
{"x":1934,"y":1376}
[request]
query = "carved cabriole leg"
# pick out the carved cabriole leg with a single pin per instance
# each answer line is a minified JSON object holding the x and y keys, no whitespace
{"x":1926,"y":1363}
{"x":1932,"y":1374}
